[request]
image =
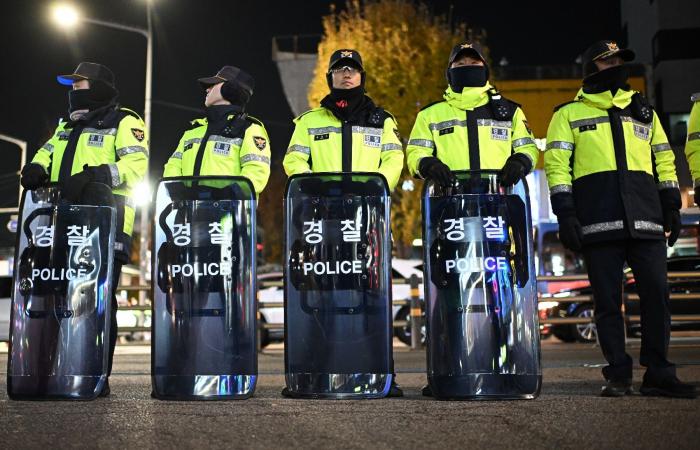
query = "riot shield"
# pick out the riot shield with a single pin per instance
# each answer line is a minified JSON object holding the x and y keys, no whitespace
{"x":204,"y":304}
{"x":337,"y":286}
{"x":61,"y":301}
{"x":480,"y":289}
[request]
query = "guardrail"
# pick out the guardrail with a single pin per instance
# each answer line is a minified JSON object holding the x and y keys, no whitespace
{"x":416,"y":312}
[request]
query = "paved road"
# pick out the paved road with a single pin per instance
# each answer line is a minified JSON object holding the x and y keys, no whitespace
{"x":568,"y":413}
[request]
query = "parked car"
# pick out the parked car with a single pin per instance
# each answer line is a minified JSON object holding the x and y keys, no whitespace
{"x":401,"y":268}
{"x":587,"y":332}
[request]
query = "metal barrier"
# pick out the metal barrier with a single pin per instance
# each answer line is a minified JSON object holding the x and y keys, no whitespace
{"x":416,"y":310}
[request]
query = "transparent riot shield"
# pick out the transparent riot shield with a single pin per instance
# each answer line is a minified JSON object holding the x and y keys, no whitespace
{"x":480,"y":289}
{"x":61,"y":301}
{"x":337,"y":286}
{"x":204,"y":305}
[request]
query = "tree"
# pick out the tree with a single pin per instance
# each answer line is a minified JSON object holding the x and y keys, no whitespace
{"x":404,"y":50}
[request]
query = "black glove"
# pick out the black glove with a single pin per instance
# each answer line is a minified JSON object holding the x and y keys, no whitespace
{"x":570,"y":232}
{"x":73,"y":188}
{"x":432,"y":168}
{"x":33,"y":176}
{"x":672,"y":224}
{"x":515,"y":168}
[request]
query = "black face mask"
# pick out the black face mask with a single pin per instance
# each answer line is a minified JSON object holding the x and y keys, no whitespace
{"x":95,"y":97}
{"x":467,"y":76}
{"x":346,"y":103}
{"x":610,"y":79}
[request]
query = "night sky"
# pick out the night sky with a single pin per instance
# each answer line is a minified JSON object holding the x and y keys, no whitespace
{"x":195,"y":38}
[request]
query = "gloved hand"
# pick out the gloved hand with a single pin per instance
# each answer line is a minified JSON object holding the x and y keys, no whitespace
{"x":433,"y":169}
{"x":74,"y":186}
{"x":515,"y":168}
{"x":672,"y":225}
{"x":33,"y":176}
{"x":570,"y":232}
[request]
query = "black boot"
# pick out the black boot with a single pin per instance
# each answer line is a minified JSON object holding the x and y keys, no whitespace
{"x":426,"y":391}
{"x":395,"y":390}
{"x":667,"y":386}
{"x":617,"y":388}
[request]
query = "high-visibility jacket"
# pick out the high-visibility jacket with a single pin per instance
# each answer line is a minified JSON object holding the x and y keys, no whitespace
{"x":113,"y":136}
{"x":692,"y":145}
{"x":241,"y":148}
{"x":323,"y":143}
{"x":474,"y":129}
{"x":607,"y":159}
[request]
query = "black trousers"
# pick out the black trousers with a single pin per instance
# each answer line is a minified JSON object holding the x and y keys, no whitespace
{"x":117,"y":270}
{"x":647,"y":259}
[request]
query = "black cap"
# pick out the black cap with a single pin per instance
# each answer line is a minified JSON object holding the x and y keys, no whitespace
{"x":346,"y":55}
{"x":602,"y":50}
{"x":88,"y":71}
{"x":230,"y":73}
{"x":466,"y":48}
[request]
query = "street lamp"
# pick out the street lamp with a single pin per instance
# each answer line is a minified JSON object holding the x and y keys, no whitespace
{"x":66,"y":16}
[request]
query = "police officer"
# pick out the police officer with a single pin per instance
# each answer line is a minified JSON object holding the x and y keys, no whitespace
{"x":347,"y":133}
{"x":99,"y":142}
{"x":474,"y":127}
{"x":228,"y":141}
{"x":614,"y":190}
{"x":692,"y":145}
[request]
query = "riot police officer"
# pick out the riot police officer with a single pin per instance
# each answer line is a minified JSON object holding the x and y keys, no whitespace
{"x":614,"y":190}
{"x":347,"y":133}
{"x":692,"y":145}
{"x":474,"y":127}
{"x":98,"y":142}
{"x":228,"y":141}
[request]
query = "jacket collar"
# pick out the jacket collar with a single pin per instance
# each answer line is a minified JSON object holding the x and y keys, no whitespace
{"x":606,"y":100}
{"x":469,"y":98}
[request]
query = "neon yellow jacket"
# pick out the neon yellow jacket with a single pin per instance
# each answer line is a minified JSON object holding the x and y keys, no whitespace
{"x":117,"y":138}
{"x":692,"y":145}
{"x":317,"y":146}
{"x":442,"y":130}
{"x":607,"y":166}
{"x":247,"y":156}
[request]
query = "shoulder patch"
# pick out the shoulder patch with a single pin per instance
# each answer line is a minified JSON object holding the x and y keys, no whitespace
{"x":260,"y":142}
{"x":432,"y":104}
{"x":558,"y":107}
{"x":138,"y":134}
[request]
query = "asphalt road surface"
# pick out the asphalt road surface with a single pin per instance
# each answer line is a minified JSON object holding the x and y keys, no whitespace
{"x":567,"y":414}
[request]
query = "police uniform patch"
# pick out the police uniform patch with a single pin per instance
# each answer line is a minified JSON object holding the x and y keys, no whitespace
{"x":260,"y":142}
{"x":138,"y":134}
{"x":641,"y":132}
{"x":590,"y":127}
{"x":527,"y":127}
{"x":499,"y":134}
{"x":398,"y":135}
{"x":321,"y":137}
{"x":95,"y":140}
{"x":447,"y":130}
{"x":373,"y":141}
{"x":221,"y":148}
